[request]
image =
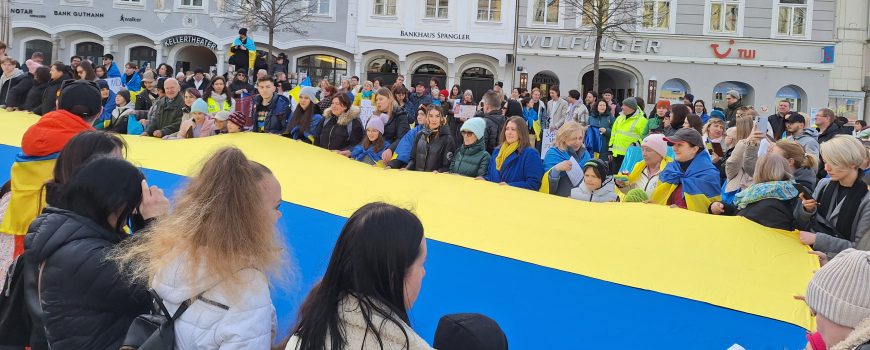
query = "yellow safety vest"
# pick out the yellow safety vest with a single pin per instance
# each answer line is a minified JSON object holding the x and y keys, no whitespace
{"x":627,"y":130}
{"x":214,"y":108}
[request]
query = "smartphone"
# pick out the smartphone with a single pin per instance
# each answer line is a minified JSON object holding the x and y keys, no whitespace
{"x":804,"y":190}
{"x":761,"y":124}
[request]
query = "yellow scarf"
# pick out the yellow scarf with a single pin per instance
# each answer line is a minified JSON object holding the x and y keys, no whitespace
{"x":504,"y":152}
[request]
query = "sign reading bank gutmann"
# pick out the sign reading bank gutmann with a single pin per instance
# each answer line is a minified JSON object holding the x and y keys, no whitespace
{"x":635,"y":45}
{"x":190,"y":39}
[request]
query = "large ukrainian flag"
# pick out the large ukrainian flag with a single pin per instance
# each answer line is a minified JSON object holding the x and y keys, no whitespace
{"x":555,"y":273}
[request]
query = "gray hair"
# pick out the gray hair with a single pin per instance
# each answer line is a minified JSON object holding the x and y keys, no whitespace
{"x":733,"y":93}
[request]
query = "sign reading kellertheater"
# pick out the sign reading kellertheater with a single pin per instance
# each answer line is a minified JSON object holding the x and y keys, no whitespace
{"x":190,"y":39}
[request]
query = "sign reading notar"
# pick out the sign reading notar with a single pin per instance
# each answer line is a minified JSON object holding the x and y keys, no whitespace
{"x":435,"y":35}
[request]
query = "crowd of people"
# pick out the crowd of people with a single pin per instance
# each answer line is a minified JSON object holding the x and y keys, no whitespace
{"x":779,"y":171}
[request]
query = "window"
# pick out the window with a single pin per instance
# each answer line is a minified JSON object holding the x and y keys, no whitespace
{"x":90,"y":51}
{"x":319,"y":7}
{"x":723,"y":16}
{"x":191,"y":3}
{"x":489,"y":10}
{"x":38,"y":45}
{"x":656,"y":14}
{"x":546,"y":12}
{"x":594,"y":9}
{"x":792,"y":18}
{"x":320,"y":67}
{"x":129,"y":2}
{"x":143,"y":56}
{"x":436,"y":8}
{"x":385,"y":7}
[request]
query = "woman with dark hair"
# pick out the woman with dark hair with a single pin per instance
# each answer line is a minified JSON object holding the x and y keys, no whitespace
{"x":76,"y":153}
{"x":304,"y":121}
{"x":34,"y":95}
{"x":694,"y":121}
{"x":341,"y":128}
{"x":679,"y":114}
{"x":217,"y":96}
{"x":57,"y":72}
{"x":85,"y":302}
{"x":85,"y":71}
{"x":433,"y":146}
{"x":516,"y":162}
{"x":701,"y":111}
{"x":165,"y":71}
{"x":327,"y":92}
{"x":99,"y":72}
{"x":372,"y":280}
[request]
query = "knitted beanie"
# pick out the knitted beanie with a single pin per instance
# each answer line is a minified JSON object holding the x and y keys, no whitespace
{"x":839,"y":290}
{"x":657,"y":143}
{"x":377,"y":123}
{"x":663,"y":104}
{"x":717,"y":114}
{"x":199,"y":106}
{"x":636,"y":196}
{"x":310,"y":92}
{"x":475,"y":125}
{"x":222,"y":116}
{"x":630,"y":102}
{"x":238,"y":119}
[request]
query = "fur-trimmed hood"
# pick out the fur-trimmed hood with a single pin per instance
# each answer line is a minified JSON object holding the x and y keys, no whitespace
{"x":858,"y":337}
{"x":345,"y":118}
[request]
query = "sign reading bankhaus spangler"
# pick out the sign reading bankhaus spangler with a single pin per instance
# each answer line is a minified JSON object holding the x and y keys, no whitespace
{"x":190,"y":39}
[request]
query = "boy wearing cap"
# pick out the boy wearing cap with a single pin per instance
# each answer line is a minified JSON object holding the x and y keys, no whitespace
{"x":236,"y":123}
{"x":691,"y":181}
{"x":148,"y":94}
{"x":221,"y":119}
{"x":838,"y":295}
{"x":269,"y":109}
{"x":796,"y":126}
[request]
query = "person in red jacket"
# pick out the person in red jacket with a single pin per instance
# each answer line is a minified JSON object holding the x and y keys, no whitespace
{"x":79,"y":104}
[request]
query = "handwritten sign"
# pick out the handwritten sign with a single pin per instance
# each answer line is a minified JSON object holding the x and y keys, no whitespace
{"x":115,"y":84}
{"x":467,"y":112}
{"x":547,"y":141}
{"x":366,"y":110}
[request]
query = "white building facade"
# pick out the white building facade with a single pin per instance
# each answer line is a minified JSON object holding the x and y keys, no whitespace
{"x":850,"y":79}
{"x":769,"y":50}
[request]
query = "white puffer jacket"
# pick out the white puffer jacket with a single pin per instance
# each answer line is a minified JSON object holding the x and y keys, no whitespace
{"x":215,"y":321}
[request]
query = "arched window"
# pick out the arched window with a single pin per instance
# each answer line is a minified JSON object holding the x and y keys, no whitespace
{"x":745,"y":90}
{"x":90,"y":51}
{"x":426,"y":72}
{"x":477,"y":72}
{"x":319,"y":67}
{"x":143,"y":55}
{"x":38,"y":45}
{"x":430,"y":69}
{"x":383,"y":65}
{"x":478,"y":80}
{"x":673,"y":90}
{"x":543,"y":81}
{"x":793,"y":95}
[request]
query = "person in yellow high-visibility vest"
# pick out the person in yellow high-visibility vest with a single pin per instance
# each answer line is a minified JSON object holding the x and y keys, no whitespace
{"x":628,"y":128}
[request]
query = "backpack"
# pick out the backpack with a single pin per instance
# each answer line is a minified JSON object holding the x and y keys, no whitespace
{"x":155,"y":330}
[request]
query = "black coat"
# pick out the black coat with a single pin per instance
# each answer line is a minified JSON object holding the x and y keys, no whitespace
{"x":770,"y":212}
{"x":428,"y":154}
{"x":34,"y":97}
{"x":6,"y":88}
{"x":494,"y":123}
{"x":87,"y":303}
{"x":396,"y":127}
{"x":192,"y":84}
{"x":334,"y":134}
{"x":18,"y":92}
{"x":49,"y":96}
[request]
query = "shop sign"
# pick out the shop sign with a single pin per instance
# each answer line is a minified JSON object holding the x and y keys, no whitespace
{"x":190,"y":39}
{"x":633,"y":45}
{"x":24,"y":11}
{"x":79,"y":14}
{"x":130,"y":19}
{"x":828,"y":54}
{"x":435,"y":35}
{"x":745,"y":54}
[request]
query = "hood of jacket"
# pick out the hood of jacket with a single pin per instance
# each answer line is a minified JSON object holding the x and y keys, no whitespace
{"x":858,"y":337}
{"x":57,"y":227}
{"x":51,"y":133}
{"x":805,"y":176}
{"x":15,"y":74}
{"x":808,"y":132}
{"x":345,"y":118}
{"x":604,"y":194}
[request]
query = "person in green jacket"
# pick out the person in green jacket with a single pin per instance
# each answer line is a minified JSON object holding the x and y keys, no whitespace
{"x":471,"y":159}
{"x":629,"y":128}
{"x":167,"y":112}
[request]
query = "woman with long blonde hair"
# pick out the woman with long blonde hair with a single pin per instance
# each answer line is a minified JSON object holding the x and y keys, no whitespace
{"x":216,"y":252}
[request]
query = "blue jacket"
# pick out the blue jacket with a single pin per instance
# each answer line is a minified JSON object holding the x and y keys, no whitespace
{"x":416,"y":101}
{"x":106,"y":117}
{"x":279,"y":112}
{"x":523,"y":170}
{"x":134,"y":84}
{"x":306,"y":135}
{"x":359,"y":153}
{"x":249,"y":44}
{"x":404,"y":147}
{"x":114,"y":72}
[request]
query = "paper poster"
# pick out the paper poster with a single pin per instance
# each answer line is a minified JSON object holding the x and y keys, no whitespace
{"x":576,"y":173}
{"x":366,"y":110}
{"x":467,"y":112}
{"x":547,"y":141}
{"x":812,"y":118}
{"x":115,"y":84}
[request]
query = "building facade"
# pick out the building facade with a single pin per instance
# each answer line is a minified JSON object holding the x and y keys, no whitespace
{"x":768,"y":50}
{"x":850,"y":79}
{"x":188,"y":34}
{"x":469,"y":43}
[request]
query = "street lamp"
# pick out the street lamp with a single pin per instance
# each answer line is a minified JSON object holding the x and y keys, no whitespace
{"x":524,"y":80}
{"x":651,"y":90}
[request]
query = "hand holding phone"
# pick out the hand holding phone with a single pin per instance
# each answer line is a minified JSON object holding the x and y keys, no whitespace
{"x":761,"y":124}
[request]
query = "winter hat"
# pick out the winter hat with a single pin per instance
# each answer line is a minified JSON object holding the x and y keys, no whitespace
{"x":238,"y":119}
{"x":109,"y":56}
{"x":443,"y":93}
{"x":469,"y":332}
{"x":148,"y":76}
{"x":475,"y":125}
{"x":663,"y":104}
{"x":630,"y":102}
{"x":733,"y":93}
{"x":243,"y":31}
{"x":199,"y":106}
{"x":376,"y":123}
{"x":690,"y":97}
{"x":103,"y":84}
{"x":310,"y":92}
{"x":657,"y":143}
{"x":636,"y":196}
{"x":81,"y":99}
{"x":717,"y":114}
{"x":600,"y":167}
{"x":32,"y":66}
{"x":125,"y":94}
{"x":838,"y":290}
{"x":222,"y":116}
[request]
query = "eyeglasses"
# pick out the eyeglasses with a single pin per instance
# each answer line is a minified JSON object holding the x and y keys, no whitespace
{"x":240,"y":74}
{"x":466,"y":133}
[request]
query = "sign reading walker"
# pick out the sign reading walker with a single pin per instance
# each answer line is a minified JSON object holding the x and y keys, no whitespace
{"x":190,"y":39}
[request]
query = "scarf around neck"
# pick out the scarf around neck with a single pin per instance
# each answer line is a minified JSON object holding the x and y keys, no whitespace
{"x":506,"y":150}
{"x":781,"y":190}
